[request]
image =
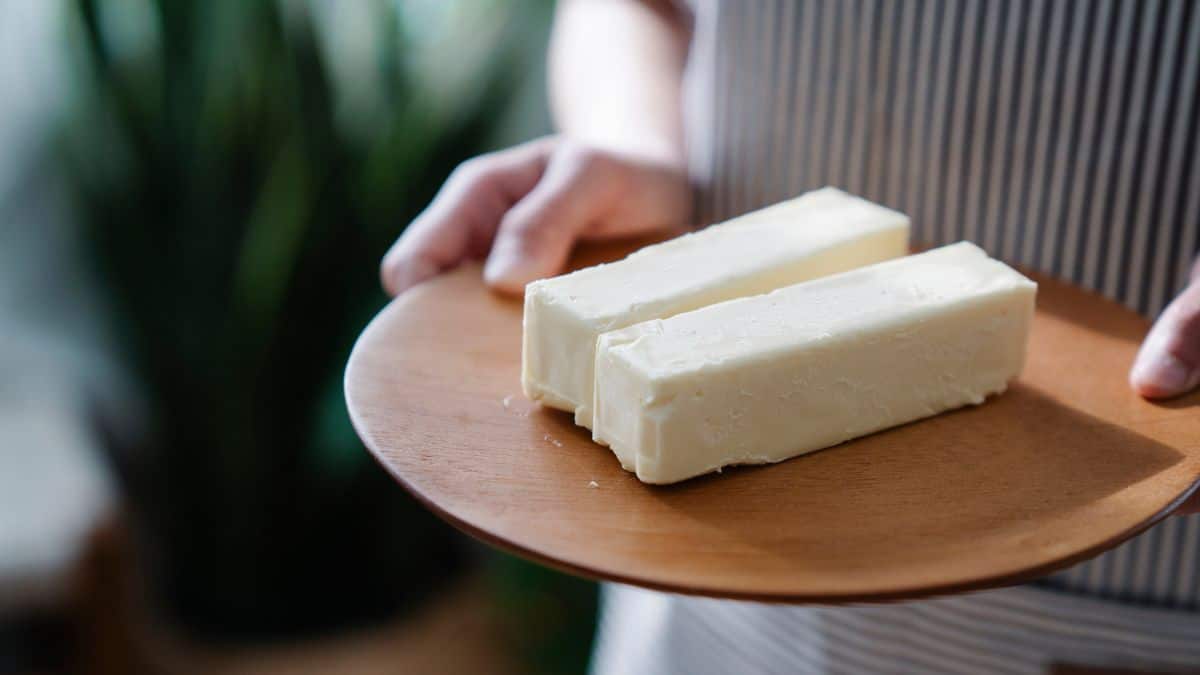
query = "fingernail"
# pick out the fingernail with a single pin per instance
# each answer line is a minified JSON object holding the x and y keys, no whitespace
{"x":1164,"y":375}
{"x":498,"y":267}
{"x":507,"y":270}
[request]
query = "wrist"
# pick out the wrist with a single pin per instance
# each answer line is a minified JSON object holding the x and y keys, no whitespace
{"x":656,"y":149}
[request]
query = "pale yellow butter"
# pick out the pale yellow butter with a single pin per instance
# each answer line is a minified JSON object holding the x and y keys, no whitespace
{"x":765,"y":378}
{"x":819,"y":233}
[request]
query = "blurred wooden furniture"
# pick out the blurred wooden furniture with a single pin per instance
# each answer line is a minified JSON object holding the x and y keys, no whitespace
{"x":113,"y":630}
{"x":54,"y":492}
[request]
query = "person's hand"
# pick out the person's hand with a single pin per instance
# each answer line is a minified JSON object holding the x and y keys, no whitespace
{"x":525,"y":207}
{"x":1168,"y":364}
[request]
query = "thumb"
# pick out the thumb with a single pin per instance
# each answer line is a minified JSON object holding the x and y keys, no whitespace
{"x":535,"y":236}
{"x":1168,"y":364}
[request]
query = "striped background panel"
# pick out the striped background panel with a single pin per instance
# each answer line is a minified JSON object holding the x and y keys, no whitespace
{"x":1057,"y":135}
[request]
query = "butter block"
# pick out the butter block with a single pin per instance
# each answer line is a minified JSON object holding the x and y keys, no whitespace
{"x":819,"y":233}
{"x":765,"y":378}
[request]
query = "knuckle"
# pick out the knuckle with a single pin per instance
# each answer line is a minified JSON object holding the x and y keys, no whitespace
{"x":583,"y":160}
{"x":529,"y":228}
{"x":1189,"y":319}
{"x":1181,"y":322}
{"x":472,"y":171}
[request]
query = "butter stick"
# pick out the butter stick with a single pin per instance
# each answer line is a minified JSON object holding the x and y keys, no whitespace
{"x":819,"y":233}
{"x":765,"y":378}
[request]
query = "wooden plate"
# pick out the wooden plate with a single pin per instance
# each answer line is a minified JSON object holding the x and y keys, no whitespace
{"x":1064,"y":465}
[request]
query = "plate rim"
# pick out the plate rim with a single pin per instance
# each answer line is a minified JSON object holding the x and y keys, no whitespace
{"x":593,"y":573}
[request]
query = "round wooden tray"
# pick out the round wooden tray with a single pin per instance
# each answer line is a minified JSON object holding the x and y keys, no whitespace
{"x":1064,"y":465}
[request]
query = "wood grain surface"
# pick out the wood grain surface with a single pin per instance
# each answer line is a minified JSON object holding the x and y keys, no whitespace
{"x":1064,"y":465}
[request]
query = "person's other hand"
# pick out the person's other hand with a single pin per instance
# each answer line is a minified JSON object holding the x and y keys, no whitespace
{"x":1168,"y":364}
{"x":525,"y":207}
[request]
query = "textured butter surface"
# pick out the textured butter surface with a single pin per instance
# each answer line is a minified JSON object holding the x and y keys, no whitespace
{"x":819,"y":233}
{"x":765,"y":378}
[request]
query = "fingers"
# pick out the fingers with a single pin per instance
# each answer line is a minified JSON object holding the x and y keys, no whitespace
{"x":464,"y":216}
{"x":1168,"y":364}
{"x":529,"y":205}
{"x":536,"y":236}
